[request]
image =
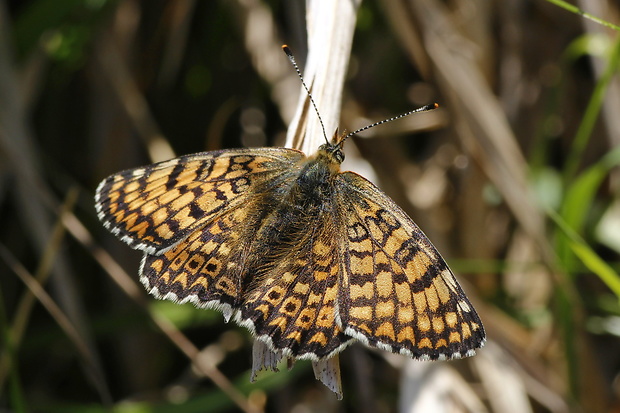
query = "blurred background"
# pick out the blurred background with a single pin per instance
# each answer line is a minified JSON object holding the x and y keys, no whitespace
{"x":514,"y":179}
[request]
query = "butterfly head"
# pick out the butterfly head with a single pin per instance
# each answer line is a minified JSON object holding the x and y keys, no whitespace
{"x":332,"y":152}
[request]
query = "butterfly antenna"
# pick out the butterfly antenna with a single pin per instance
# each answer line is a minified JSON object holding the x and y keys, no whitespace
{"x":290,"y":56}
{"x":422,"y":109}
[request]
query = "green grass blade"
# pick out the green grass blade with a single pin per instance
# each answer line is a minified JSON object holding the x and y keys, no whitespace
{"x":587,"y":255}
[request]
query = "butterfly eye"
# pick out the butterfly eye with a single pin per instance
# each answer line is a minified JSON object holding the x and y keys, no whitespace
{"x":339,"y":155}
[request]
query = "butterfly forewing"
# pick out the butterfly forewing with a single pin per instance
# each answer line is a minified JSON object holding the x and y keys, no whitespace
{"x":155,"y":207}
{"x":396,"y":292}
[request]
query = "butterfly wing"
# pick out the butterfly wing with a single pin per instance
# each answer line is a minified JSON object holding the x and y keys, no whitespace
{"x":396,"y":291}
{"x":209,"y":267}
{"x":155,"y":207}
{"x":291,"y":301}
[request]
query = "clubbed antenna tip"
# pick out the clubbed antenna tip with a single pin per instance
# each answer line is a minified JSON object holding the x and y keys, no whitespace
{"x":422,"y":109}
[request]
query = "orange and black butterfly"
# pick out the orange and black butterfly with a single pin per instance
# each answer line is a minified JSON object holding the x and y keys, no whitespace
{"x":305,"y":256}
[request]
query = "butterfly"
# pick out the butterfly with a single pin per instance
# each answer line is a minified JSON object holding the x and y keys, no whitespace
{"x":309,"y":258}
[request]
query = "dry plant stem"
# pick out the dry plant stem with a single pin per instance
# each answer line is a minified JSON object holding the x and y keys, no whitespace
{"x":611,"y":106}
{"x":482,"y":126}
{"x":264,"y":48}
{"x":35,"y":292}
{"x":19,"y":152}
{"x":36,"y":289}
{"x":330,"y":26}
{"x":180,"y":22}
{"x":81,"y":234}
{"x":133,"y":102}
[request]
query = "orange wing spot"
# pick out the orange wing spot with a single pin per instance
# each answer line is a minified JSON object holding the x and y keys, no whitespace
{"x":165,"y":277}
{"x":265,"y":309}
{"x":419,"y":301}
{"x":363,"y":265}
{"x":455,"y":337}
{"x":119,"y":182}
{"x":140,"y":229}
{"x":169,"y":196}
{"x":157,"y":265}
{"x":129,"y":220}
{"x":365,"y":327}
{"x":314,"y":299}
{"x":290,"y":306}
{"x":465,"y":330}
{"x":319,"y":338}
{"x":183,"y":217}
{"x":441,"y":343}
{"x":113,"y":197}
{"x":330,"y":294}
{"x":131,"y":186}
{"x":288,"y":277}
{"x":442,"y":290}
{"x":159,"y":174}
{"x":159,"y":215}
{"x":403,"y":293}
{"x":406,"y":334}
{"x":226,"y":285}
{"x":393,"y":244}
{"x":208,"y":247}
{"x":218,"y":171}
{"x":425,"y":342}
{"x":438,"y":325}
{"x":321,"y":276}
{"x":280,"y":322}
{"x":305,"y":319}
{"x":384,"y":309}
{"x":384,"y":284}
{"x":360,"y":246}
{"x":418,"y":266}
{"x":361,"y":313}
{"x":405,"y":314}
{"x":275,"y":295}
{"x":451,"y":319}
{"x":301,"y":288}
{"x":181,"y":279}
{"x":295,"y":335}
{"x":424,"y":324}
{"x":321,"y":249}
{"x":386,"y":329}
{"x":431,"y":298}
{"x":365,"y":291}
{"x":163,"y":231}
{"x":326,"y":317}
{"x":239,"y":159}
{"x":201,"y":281}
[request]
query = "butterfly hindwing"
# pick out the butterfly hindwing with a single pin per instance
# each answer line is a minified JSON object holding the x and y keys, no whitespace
{"x":208,"y":268}
{"x":291,"y":302}
{"x":396,"y":292}
{"x":155,"y":207}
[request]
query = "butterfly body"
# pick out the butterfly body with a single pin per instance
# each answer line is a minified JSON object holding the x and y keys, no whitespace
{"x":305,"y":256}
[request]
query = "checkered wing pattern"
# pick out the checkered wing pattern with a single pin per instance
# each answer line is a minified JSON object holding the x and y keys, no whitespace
{"x":291,"y":301}
{"x":396,"y":292}
{"x":155,"y":207}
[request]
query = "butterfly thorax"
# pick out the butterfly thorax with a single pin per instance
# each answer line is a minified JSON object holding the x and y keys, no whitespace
{"x":314,"y":184}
